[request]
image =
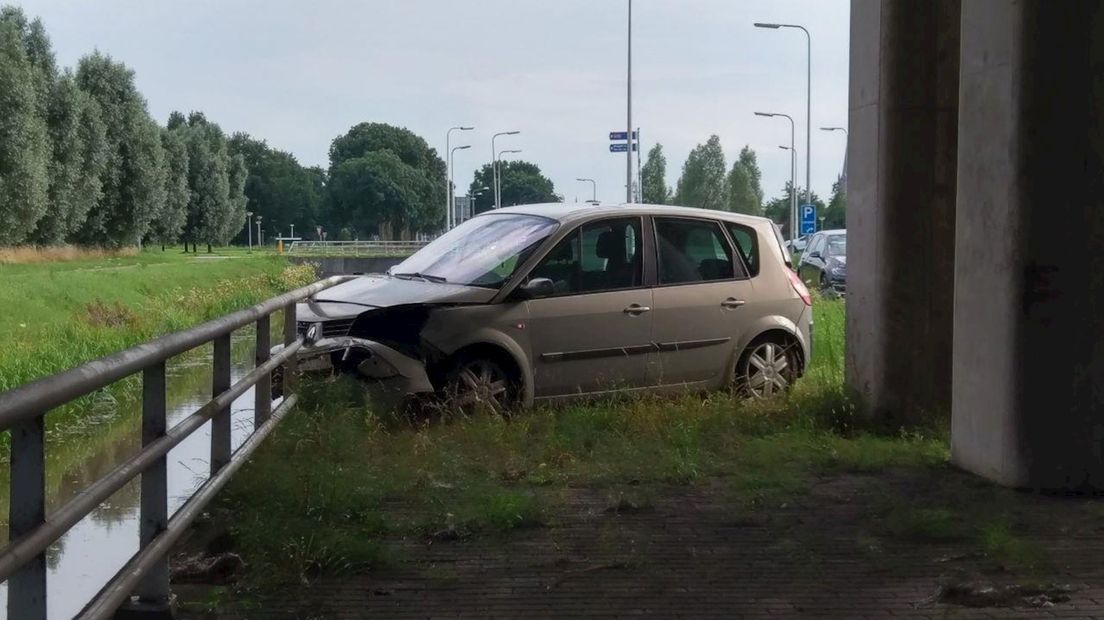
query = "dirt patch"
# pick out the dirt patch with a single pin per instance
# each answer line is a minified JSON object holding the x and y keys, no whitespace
{"x":100,"y":314}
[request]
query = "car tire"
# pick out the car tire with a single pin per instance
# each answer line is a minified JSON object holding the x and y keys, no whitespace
{"x":767,"y":367}
{"x":481,"y":384}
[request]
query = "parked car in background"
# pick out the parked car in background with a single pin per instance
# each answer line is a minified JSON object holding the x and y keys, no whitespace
{"x":824,"y":263}
{"x":796,"y":246}
{"x":552,"y":301}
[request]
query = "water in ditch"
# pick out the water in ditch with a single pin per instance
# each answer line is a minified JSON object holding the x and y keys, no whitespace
{"x":87,"y":556}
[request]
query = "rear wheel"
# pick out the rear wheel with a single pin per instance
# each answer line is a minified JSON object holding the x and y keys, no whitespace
{"x":766,"y":368}
{"x":481,"y":384}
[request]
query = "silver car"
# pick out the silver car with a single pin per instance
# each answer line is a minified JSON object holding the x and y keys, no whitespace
{"x":553,"y":301}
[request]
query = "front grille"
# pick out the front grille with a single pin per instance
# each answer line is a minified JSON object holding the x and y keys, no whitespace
{"x":330,"y":329}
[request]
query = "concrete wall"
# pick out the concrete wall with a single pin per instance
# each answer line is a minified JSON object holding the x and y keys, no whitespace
{"x":1028,"y":388}
{"x":343,"y":265}
{"x":901,"y":204}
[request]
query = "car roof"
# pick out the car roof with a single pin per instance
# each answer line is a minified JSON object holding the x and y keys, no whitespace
{"x":573,"y":211}
{"x":834,"y":231}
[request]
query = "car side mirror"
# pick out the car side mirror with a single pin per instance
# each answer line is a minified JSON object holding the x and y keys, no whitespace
{"x":536,"y":288}
{"x":814,"y":255}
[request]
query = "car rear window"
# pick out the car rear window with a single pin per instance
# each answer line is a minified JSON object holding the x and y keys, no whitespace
{"x":747,"y":244}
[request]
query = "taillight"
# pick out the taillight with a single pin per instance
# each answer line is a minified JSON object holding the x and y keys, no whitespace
{"x":799,"y":287}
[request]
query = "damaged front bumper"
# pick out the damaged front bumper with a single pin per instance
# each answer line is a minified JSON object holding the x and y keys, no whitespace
{"x":377,"y":362}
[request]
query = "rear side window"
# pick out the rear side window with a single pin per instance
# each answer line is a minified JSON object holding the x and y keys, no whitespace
{"x":693,"y":251}
{"x":747,"y":244}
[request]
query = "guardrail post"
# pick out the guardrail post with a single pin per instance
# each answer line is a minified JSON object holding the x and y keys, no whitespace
{"x":154,"y":596}
{"x":27,"y":511}
{"x":220,"y":422}
{"x":262,"y":392}
{"x":291,"y":368}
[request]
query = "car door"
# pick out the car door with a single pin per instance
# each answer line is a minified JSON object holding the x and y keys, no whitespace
{"x":595,"y":332}
{"x":811,"y":265}
{"x":699,"y":301}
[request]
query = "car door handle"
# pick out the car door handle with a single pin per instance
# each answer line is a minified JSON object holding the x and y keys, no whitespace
{"x":636,"y":309}
{"x":732,"y":302}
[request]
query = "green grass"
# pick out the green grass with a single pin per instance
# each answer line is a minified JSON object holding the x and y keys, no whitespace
{"x":60,"y":314}
{"x":357,"y":478}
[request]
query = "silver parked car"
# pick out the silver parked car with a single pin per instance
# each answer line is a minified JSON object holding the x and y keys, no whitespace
{"x":551,"y":301}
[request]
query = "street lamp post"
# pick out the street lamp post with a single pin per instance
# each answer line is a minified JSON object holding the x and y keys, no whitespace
{"x":249,"y":228}
{"x":628,"y":116}
{"x":808,"y":102}
{"x":498,"y":178}
{"x":494,"y":163}
{"x":450,"y":217}
{"x":793,"y":172}
{"x":293,"y":231}
{"x":260,"y":239}
{"x":843,"y":172}
{"x":793,"y":191}
{"x":471,"y":200}
{"x":593,"y":187}
{"x":448,"y":173}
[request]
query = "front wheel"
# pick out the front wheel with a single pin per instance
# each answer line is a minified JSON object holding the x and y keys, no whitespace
{"x":766,"y":368}
{"x":477,"y":383}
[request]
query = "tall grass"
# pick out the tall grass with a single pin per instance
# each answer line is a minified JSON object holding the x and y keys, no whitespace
{"x":354,"y":477}
{"x":51,"y":254}
{"x":58,"y":315}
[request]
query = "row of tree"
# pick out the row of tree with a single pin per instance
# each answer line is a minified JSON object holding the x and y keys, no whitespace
{"x":707,"y":182}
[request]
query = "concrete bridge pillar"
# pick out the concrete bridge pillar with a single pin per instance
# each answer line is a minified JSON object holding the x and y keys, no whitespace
{"x":901,"y":205}
{"x":1028,"y":389}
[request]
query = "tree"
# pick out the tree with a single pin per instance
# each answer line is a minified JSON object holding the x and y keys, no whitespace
{"x":653,"y":176}
{"x":703,"y":183}
{"x":39,"y":52}
{"x":745,"y":195}
{"x":417,"y":189}
{"x":78,"y":155}
{"x":24,"y":147}
{"x":209,"y":203}
{"x":169,"y":227}
{"x":277,"y":187}
{"x":835,"y":215}
{"x":379,"y":193}
{"x":522,"y":183}
{"x":132,"y":180}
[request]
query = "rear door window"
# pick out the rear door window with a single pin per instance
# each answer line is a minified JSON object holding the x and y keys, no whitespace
{"x":692,"y":251}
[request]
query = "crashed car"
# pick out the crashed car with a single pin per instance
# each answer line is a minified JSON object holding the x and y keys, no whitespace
{"x":553,"y":301}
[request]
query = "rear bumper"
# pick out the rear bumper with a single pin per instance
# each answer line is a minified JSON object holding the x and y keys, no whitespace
{"x":379,"y":363}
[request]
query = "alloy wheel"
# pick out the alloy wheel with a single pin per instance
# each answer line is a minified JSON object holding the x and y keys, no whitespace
{"x":480,"y":384}
{"x":768,"y":370}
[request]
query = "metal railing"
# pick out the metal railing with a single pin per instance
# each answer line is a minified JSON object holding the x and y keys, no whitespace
{"x":144,"y":580}
{"x":355,"y":248}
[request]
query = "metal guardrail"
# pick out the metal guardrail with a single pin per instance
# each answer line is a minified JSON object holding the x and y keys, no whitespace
{"x":355,"y":248}
{"x":144,"y":580}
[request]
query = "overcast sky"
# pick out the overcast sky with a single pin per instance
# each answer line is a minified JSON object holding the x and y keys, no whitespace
{"x":300,"y":73}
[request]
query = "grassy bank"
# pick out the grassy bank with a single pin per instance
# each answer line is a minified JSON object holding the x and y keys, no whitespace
{"x":60,"y":314}
{"x":338,"y":480}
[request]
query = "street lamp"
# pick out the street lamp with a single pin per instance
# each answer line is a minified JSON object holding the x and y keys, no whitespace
{"x":451,"y":215}
{"x":471,"y":200}
{"x":843,"y":173}
{"x":249,"y":228}
{"x":448,"y":173}
{"x":793,"y":172}
{"x":793,"y":189}
{"x":494,"y":164}
{"x":628,"y":114}
{"x":293,"y":231}
{"x":260,"y":239}
{"x":498,"y":179}
{"x":593,"y":187}
{"x":808,"y":101}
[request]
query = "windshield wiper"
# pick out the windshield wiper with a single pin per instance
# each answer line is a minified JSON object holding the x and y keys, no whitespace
{"x":424,"y":276}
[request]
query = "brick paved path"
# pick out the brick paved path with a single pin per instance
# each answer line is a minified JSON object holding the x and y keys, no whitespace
{"x":689,"y":554}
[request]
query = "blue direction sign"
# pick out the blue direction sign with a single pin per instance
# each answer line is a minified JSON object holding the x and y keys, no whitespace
{"x":808,"y":219}
{"x":621,"y":148}
{"x":621,"y":135}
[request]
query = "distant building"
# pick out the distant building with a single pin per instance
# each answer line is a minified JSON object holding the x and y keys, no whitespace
{"x":462,"y":211}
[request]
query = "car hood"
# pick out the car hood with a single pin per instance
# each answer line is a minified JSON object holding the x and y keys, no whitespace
{"x":839,"y":260}
{"x":369,"y":292}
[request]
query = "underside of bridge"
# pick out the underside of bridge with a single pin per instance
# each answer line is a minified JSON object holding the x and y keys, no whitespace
{"x":976,"y":217}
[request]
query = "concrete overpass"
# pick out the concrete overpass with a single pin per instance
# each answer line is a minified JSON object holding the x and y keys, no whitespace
{"x":976,"y":216}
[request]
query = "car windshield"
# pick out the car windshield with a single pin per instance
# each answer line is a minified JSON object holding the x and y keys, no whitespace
{"x":483,"y":251}
{"x":837,"y":245}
